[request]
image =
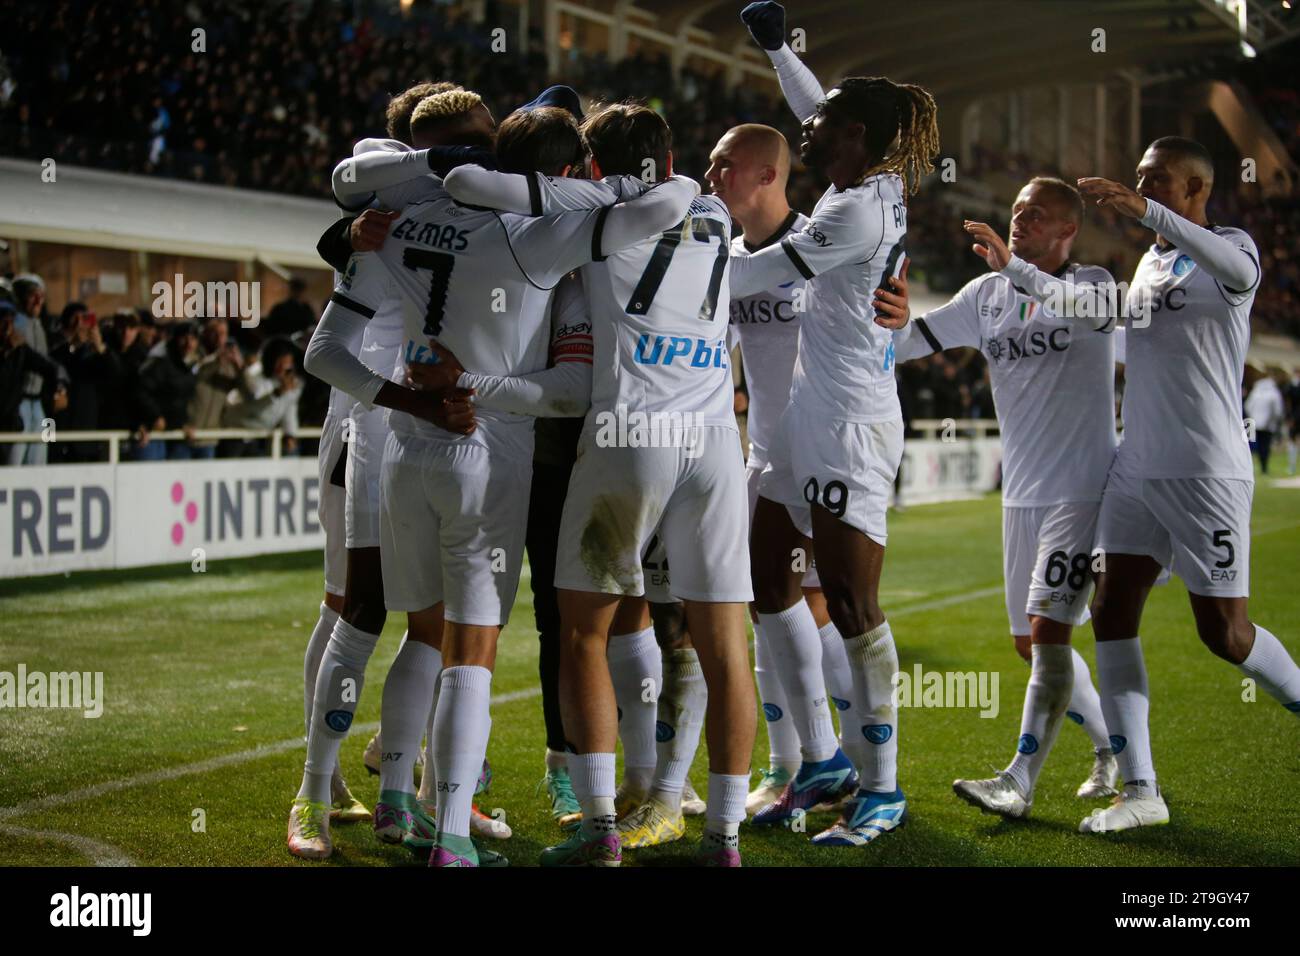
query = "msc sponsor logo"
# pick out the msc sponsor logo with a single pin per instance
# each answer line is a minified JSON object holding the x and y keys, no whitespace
{"x":761,"y":310}
{"x":1038,"y":342}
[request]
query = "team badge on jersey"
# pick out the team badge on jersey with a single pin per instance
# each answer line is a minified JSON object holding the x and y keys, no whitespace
{"x":1183,"y":265}
{"x":349,"y":274}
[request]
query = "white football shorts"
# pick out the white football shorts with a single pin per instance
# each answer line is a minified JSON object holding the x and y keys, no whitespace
{"x":846,"y":467}
{"x":693,"y":497}
{"x":1199,"y":528}
{"x":1047,"y":562}
{"x":365,"y":461}
{"x":452,"y":527}
{"x":331,"y":468}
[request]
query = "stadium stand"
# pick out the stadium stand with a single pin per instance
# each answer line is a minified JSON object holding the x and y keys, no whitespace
{"x":281,"y":90}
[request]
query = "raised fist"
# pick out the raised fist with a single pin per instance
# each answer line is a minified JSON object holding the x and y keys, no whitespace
{"x":766,"y":22}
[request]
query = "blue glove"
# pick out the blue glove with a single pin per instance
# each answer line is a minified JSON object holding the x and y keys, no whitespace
{"x":766,"y":22}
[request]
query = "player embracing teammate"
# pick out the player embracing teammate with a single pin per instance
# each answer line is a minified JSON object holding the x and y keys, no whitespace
{"x":836,"y":452}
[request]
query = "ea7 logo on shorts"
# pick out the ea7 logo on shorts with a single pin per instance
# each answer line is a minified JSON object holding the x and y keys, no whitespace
{"x":1217,"y":575}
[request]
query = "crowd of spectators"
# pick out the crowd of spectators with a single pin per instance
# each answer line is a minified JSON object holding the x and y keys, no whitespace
{"x":68,"y":371}
{"x":270,"y":95}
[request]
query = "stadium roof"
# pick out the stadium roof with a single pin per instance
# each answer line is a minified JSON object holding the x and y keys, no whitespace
{"x":957,"y":47}
{"x":87,"y":207}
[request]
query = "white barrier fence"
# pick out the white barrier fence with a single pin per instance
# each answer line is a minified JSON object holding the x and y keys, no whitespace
{"x":115,"y":440}
{"x":57,"y":518}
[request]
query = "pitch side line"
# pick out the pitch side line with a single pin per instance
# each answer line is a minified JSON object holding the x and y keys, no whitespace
{"x":284,"y":746}
{"x":202,"y":766}
{"x":101,"y":853}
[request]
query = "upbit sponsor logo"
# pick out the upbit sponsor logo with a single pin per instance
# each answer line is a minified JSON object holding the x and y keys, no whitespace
{"x":703,"y":353}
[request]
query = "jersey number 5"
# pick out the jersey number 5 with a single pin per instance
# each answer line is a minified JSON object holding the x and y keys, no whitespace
{"x":439,"y":265}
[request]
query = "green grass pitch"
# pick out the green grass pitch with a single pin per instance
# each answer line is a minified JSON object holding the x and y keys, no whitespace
{"x":203,"y":688}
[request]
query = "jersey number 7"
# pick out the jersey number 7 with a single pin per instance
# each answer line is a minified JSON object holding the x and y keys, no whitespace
{"x":702,"y":230}
{"x":439,"y":265}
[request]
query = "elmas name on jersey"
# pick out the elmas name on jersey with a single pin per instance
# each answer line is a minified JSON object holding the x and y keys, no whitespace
{"x":705,"y":353}
{"x":432,"y":234}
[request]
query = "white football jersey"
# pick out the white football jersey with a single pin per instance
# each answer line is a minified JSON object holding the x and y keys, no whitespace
{"x":658,"y":307}
{"x":1182,"y":394}
{"x":767,"y":327}
{"x":1053,"y":384}
{"x":477,"y":281}
{"x":850,"y":246}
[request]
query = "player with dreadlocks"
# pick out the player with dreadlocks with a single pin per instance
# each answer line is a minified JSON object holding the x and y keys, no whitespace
{"x":836,"y":452}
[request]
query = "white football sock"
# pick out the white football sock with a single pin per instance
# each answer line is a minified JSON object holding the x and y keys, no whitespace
{"x":782,"y":738}
{"x":339,"y":680}
{"x":1122,"y":684}
{"x":797,"y":651}
{"x":320,"y":636}
{"x":428,"y":791}
{"x":593,"y":784}
{"x":460,"y":732}
{"x":873,"y":659}
{"x":726,"y":806}
{"x":1085,"y":706}
{"x":682,"y":703}
{"x":1051,"y":677}
{"x":636,"y":669}
{"x":1269,"y":664}
{"x":405,"y":712}
{"x":839,"y":686}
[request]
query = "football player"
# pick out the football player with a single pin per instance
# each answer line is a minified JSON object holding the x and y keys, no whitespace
{"x":833,"y":460}
{"x":1044,"y":323}
{"x":1179,"y":492}
{"x":452,"y":534}
{"x":658,"y":316}
{"x":748,"y":170}
{"x":352,"y":615}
